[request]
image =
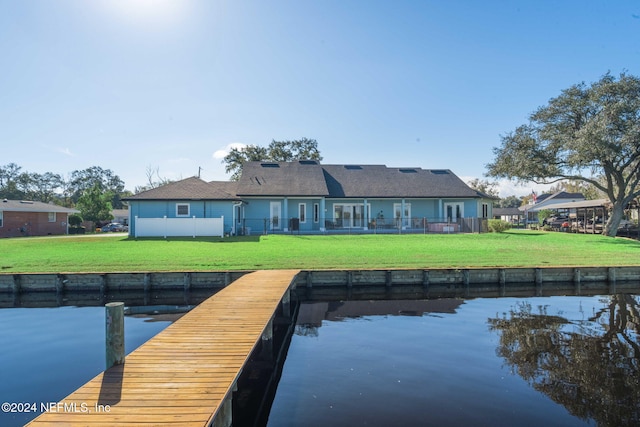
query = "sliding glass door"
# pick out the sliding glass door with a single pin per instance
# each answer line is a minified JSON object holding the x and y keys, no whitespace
{"x":349,"y":215}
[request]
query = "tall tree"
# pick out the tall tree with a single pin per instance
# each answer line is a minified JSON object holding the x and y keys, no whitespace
{"x":95,"y":204}
{"x":277,"y":151}
{"x":153,"y":180}
{"x":509,"y":202}
{"x":484,"y":186}
{"x":43,"y":187}
{"x":105,"y":179}
{"x":583,"y":134}
{"x":9,"y":180}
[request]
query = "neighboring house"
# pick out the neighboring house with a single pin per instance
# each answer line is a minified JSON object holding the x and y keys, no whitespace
{"x":27,"y":218}
{"x":308,"y":197}
{"x":120,"y":216}
{"x":553,"y":201}
{"x":512,"y":215}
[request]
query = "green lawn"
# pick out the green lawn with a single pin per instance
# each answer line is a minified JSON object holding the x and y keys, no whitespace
{"x":118,"y":253}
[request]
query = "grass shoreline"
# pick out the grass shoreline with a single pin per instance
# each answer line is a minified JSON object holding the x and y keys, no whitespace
{"x":119,"y":253}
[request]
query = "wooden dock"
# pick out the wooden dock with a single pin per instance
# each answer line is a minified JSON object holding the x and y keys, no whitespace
{"x":185,"y":375}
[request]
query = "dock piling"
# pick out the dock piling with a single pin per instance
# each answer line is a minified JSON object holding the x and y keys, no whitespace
{"x":114,"y":333}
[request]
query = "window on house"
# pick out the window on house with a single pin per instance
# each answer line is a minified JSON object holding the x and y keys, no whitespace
{"x":398,"y":214}
{"x":52,"y":217}
{"x":316,"y":212}
{"x":1,"y":218}
{"x":182,"y":209}
{"x":302,"y":212}
{"x":485,"y":210}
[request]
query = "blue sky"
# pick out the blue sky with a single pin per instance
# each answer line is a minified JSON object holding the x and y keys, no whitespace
{"x":170,"y":85}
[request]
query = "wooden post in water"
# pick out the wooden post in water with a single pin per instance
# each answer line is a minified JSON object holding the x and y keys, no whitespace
{"x":286,"y":304}
{"x":267,"y":342}
{"x":114,"y":333}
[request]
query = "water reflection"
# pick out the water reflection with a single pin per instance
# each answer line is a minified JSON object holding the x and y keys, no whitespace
{"x":553,"y":360}
{"x":590,"y":366}
{"x":311,"y":315}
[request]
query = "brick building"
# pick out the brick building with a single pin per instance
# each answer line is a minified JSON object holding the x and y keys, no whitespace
{"x":27,"y":218}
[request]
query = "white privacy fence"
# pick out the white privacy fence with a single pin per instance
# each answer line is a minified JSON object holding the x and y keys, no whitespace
{"x":179,"y":227}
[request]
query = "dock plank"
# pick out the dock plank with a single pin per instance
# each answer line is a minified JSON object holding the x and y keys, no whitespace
{"x":181,"y":376}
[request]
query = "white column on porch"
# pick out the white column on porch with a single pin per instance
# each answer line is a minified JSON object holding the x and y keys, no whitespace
{"x":365,"y":215}
{"x":323,"y":214}
{"x":285,"y":214}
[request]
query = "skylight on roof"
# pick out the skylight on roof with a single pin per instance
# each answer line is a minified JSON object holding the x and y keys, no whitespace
{"x":308,"y":162}
{"x":269,"y":165}
{"x":408,"y":170}
{"x":440,"y":172}
{"x":352,"y":167}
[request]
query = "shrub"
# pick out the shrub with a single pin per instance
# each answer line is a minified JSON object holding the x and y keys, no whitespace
{"x":543,"y":215}
{"x":498,"y":225}
{"x":75,"y":220}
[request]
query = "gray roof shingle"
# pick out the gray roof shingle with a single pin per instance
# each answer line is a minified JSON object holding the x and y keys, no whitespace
{"x":30,"y":206}
{"x":314,"y":179}
{"x":385,"y":182}
{"x":190,"y":189}
{"x":299,"y":178}
{"x":311,"y":179}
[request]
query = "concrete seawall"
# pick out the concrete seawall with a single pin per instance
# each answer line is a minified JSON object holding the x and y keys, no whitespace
{"x":186,"y":281}
{"x":470,"y":276}
{"x":107,"y":282}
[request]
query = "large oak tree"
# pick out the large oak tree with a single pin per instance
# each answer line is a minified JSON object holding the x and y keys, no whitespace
{"x":277,"y":151}
{"x":586,"y":133}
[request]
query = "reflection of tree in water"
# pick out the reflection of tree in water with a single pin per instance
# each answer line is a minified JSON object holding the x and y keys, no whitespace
{"x":591,"y":367}
{"x":306,"y":330}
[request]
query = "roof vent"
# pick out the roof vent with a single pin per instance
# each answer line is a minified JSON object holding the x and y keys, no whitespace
{"x":440,"y":172}
{"x":352,"y":167}
{"x":269,"y":165}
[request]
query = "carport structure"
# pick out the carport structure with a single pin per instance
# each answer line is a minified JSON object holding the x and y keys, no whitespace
{"x":589,"y":216}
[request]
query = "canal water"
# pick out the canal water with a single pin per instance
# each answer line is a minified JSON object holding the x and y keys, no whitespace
{"x":526,"y":361}
{"x":552,"y":361}
{"x":47,"y":353}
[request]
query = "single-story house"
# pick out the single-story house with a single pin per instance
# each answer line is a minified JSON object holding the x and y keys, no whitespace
{"x":28,"y":218}
{"x":308,"y":197}
{"x":512,"y":215}
{"x":120,"y":216}
{"x":549,"y":201}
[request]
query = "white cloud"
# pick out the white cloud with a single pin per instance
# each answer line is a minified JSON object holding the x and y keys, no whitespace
{"x":65,"y":151}
{"x":508,"y":188}
{"x":221,"y":153}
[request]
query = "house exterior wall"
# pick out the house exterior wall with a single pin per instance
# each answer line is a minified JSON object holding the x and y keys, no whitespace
{"x":254,"y":215}
{"x":257,"y":214}
{"x":197,"y":208}
{"x":16,"y":224}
